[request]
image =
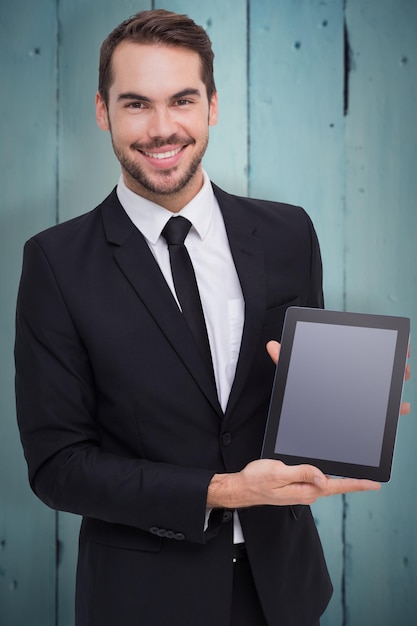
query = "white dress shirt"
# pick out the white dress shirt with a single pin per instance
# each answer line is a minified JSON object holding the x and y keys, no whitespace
{"x":218,"y":283}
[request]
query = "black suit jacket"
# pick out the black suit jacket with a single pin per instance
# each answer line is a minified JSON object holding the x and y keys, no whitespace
{"x":120,"y":422}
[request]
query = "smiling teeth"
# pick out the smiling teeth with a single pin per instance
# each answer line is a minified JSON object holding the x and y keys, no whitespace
{"x":162,"y":155}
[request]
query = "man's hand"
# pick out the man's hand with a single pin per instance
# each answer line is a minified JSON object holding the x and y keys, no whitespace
{"x":266,"y":481}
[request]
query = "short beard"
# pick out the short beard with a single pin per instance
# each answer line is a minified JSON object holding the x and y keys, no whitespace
{"x":170,"y":185}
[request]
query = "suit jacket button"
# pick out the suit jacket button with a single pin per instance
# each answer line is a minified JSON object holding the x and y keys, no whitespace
{"x":161,"y":532}
{"x":170,"y":534}
{"x":227,"y":516}
{"x":154,"y":530}
{"x":226,"y":439}
{"x":179,"y":536}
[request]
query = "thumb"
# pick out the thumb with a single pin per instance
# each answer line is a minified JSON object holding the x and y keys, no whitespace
{"x":273,"y":348}
{"x":308,"y":474}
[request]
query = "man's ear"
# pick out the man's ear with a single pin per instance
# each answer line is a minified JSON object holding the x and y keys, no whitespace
{"x":213,"y":110}
{"x":102,"y":117}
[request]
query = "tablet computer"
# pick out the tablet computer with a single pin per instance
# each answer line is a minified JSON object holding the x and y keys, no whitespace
{"x":337,"y":392}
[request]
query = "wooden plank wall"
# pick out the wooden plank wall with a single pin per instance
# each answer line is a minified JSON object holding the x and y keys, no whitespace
{"x":317,"y":107}
{"x":28,"y":174}
{"x":381,"y":275}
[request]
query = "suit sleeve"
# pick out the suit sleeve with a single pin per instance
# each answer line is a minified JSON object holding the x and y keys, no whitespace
{"x":56,"y":406}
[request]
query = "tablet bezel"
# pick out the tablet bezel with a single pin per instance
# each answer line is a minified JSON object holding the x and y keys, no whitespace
{"x":294,"y":315}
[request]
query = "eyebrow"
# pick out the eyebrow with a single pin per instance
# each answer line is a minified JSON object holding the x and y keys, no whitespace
{"x":130,"y":95}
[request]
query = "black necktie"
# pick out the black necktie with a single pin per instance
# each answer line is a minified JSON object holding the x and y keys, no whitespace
{"x":185,"y":284}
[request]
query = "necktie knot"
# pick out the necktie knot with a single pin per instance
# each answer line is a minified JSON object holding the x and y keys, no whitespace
{"x":176,"y":230}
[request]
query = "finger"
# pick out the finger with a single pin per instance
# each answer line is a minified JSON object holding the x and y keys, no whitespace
{"x":405,"y":408}
{"x":407,"y":372}
{"x":273,"y":348}
{"x":349,"y":485}
{"x":331,"y":486}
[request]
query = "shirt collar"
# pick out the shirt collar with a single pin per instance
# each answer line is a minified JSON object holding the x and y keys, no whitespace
{"x":150,"y":218}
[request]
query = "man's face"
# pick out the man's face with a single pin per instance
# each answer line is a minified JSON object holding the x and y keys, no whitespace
{"x":158,"y":115}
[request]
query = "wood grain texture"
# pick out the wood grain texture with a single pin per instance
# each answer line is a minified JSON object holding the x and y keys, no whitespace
{"x":28,"y":204}
{"x":381,"y":222}
{"x":296,"y":118}
{"x":296,"y":155}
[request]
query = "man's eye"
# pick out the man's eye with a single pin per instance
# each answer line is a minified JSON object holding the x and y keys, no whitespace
{"x":183,"y":102}
{"x":135,"y":105}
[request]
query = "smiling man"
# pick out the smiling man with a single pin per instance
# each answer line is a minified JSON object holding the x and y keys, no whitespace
{"x":142,"y":375}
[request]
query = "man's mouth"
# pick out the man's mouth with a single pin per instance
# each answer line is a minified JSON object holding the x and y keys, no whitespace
{"x":162,"y":155}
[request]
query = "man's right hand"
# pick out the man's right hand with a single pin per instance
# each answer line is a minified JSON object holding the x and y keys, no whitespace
{"x":267,"y":481}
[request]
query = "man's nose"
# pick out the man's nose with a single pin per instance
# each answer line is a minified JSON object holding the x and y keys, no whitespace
{"x":162,"y":123}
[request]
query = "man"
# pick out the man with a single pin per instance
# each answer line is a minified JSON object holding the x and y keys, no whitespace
{"x":122,"y":419}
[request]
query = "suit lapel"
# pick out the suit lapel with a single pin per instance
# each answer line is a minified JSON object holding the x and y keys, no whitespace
{"x":140,"y":268}
{"x":138,"y":264}
{"x":248,"y":256}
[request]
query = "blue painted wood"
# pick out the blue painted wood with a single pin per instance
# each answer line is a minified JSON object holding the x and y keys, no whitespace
{"x":381,"y":276}
{"x":296,"y":156}
{"x":28,"y":204}
{"x":296,"y":117}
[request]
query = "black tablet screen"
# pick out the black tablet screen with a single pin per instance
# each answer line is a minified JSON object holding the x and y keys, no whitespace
{"x":336,"y":394}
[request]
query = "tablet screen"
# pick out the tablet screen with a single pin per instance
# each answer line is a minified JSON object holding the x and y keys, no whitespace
{"x":337,"y":391}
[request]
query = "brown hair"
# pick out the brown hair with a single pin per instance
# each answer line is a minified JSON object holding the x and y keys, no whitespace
{"x":158,"y":27}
